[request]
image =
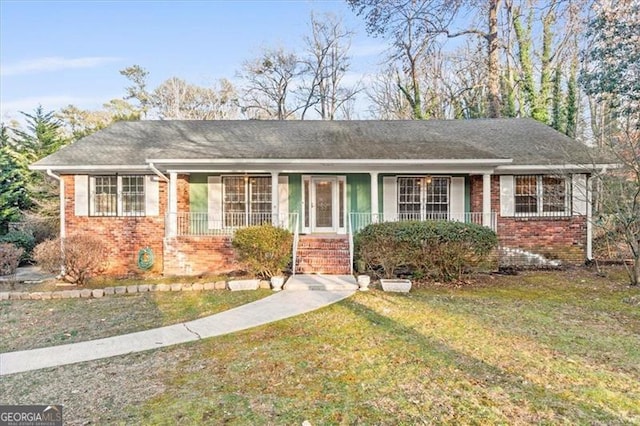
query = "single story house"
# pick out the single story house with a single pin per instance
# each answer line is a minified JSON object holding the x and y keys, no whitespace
{"x":180,"y":188}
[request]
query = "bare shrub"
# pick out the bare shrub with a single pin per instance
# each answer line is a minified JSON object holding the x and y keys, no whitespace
{"x":84,"y":256}
{"x":9,"y":258}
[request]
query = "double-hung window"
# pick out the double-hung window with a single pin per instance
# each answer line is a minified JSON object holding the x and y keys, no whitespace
{"x":116,"y":195}
{"x":542,"y":195}
{"x":423,"y":198}
{"x":247,"y":200}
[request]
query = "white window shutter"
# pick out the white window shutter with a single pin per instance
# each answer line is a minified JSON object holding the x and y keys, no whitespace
{"x":81,"y":190}
{"x":507,"y":198}
{"x":389,"y":199}
{"x":283,"y":196}
{"x":456,"y":199}
{"x":579,"y":193}
{"x":151,"y":195}
{"x":214,"y":207}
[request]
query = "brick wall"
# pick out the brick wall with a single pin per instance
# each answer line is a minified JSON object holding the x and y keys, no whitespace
{"x":198,"y":255}
{"x":125,"y":236}
{"x":563,"y":238}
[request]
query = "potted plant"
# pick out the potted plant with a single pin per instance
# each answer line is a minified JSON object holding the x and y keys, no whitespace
{"x":277,"y":282}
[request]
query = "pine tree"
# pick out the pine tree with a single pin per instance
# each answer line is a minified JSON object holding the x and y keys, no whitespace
{"x":13,"y":192}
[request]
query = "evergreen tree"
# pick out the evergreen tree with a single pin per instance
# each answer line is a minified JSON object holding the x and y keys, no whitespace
{"x":557,"y":118}
{"x":13,"y":185}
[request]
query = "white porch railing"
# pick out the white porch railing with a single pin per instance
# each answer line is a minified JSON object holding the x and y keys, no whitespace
{"x":203,"y":224}
{"x":360,"y":220}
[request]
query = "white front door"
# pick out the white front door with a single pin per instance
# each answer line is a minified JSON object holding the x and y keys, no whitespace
{"x":324,"y":204}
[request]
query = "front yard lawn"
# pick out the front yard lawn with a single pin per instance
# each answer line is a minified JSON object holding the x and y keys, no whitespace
{"x":540,"y":347}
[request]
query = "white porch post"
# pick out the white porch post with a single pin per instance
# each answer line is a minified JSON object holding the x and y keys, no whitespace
{"x":275,"y":199}
{"x":486,"y":199}
{"x":173,"y":205}
{"x":374,"y":197}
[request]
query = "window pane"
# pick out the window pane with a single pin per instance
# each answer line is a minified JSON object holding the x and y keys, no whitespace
{"x":105,"y":195}
{"x":526,"y":194}
{"x":132,"y":195}
{"x":234,"y":201}
{"x":554,"y":194}
{"x":341,"y":203}
{"x":307,"y":202}
{"x":260,"y":200}
{"x":409,"y":198}
{"x":437,"y":198}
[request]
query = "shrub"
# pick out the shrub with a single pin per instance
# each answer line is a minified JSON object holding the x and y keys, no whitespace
{"x":21,"y":239}
{"x":9,"y":258}
{"x":84,"y":257}
{"x":264,"y":250}
{"x":444,"y":250}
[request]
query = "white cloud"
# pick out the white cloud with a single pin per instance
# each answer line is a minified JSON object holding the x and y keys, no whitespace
{"x":53,"y":63}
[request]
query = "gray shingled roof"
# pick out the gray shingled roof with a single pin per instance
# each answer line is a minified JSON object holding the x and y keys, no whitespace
{"x":132,"y":143}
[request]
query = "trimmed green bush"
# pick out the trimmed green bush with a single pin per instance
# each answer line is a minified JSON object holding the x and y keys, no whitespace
{"x":264,"y":250}
{"x":23,"y":240}
{"x":440,"y":249}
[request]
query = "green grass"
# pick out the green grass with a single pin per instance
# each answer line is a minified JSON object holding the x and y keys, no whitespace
{"x":540,"y":348}
{"x":29,"y":324}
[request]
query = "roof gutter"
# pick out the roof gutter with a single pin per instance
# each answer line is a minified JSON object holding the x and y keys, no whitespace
{"x":158,"y":172}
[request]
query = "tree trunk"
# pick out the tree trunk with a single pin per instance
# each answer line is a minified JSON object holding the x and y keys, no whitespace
{"x":493,"y":63}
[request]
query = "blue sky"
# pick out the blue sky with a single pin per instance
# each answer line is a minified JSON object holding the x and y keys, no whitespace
{"x":57,"y":53}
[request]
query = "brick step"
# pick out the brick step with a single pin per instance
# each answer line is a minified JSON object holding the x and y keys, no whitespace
{"x":322,"y":253}
{"x":323,"y":246}
{"x":306,"y":269}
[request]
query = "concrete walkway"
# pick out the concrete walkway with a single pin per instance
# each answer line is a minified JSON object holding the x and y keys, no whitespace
{"x":272,"y":308}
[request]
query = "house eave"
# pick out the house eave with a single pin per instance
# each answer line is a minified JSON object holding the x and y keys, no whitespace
{"x":559,"y":168}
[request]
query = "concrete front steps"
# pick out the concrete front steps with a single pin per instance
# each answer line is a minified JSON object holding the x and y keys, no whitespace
{"x":321,"y":282}
{"x":323,"y":255}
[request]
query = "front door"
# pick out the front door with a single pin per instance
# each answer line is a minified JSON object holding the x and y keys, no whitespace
{"x":324,"y":204}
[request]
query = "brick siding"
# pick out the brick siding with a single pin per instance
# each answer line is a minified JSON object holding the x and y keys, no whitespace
{"x":562,"y":238}
{"x":198,"y":255}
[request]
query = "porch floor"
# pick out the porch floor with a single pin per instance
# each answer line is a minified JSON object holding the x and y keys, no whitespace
{"x":321,"y":282}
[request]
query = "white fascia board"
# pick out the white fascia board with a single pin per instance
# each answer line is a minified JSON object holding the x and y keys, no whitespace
{"x":339,"y":170}
{"x":331,"y":161}
{"x":532,"y":168}
{"x":138,"y":167}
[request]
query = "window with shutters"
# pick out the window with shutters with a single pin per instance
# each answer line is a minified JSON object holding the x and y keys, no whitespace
{"x":423,"y":198}
{"x":541,"y":195}
{"x":116,"y":195}
{"x":246,"y":200}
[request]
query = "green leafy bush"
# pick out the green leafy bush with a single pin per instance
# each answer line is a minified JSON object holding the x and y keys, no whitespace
{"x":264,"y":250}
{"x":84,"y":257}
{"x":23,"y":240}
{"x":443,"y":250}
{"x":9,"y":258}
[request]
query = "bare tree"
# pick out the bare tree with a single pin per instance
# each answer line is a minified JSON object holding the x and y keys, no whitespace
{"x":325,"y":66}
{"x":269,"y":83}
{"x":175,"y":99}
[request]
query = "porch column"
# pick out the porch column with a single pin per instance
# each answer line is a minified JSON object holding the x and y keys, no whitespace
{"x":172,"y":223}
{"x":275,"y":199}
{"x":589,"y":219}
{"x":486,"y":200}
{"x":374,"y":197}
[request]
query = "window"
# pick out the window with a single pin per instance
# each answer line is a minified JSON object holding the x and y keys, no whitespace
{"x":545,"y":195}
{"x":421,"y":198}
{"x":117,"y":196}
{"x":247,"y":200}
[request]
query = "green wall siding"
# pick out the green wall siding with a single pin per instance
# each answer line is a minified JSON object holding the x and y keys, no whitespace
{"x":198,"y":193}
{"x":358,"y":193}
{"x":295,"y":193}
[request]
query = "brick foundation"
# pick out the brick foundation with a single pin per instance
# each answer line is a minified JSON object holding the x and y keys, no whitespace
{"x":198,"y":255}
